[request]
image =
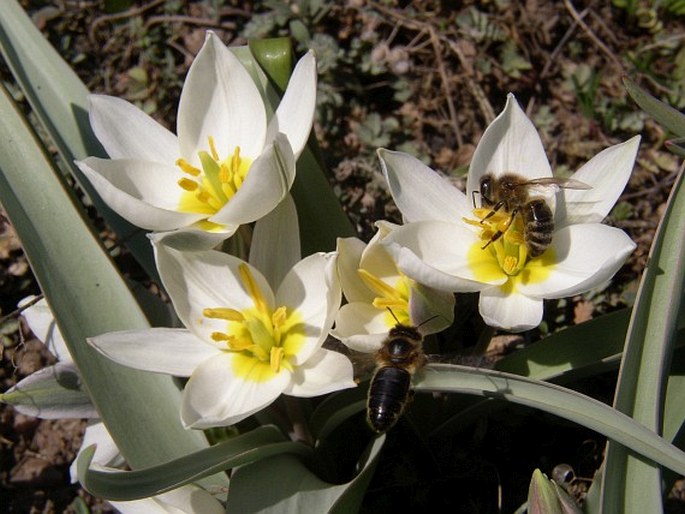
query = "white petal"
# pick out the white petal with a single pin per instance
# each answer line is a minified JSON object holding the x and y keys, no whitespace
{"x":514,"y":312}
{"x":53,"y":392}
{"x":207,"y":279}
{"x":188,"y":239}
{"x":608,"y":173}
{"x":268,"y":182}
{"x":375,"y":258}
{"x":435,"y":254}
{"x":349,"y":255}
{"x":361,"y":327}
{"x":324,"y":372}
{"x":220,"y":100}
{"x":106,"y":453}
{"x":161,"y":350}
{"x":133,"y":188}
{"x":215,"y":396}
{"x":510,"y":144}
{"x":278,"y":229}
{"x":295,"y":113}
{"x":313,"y":289}
{"x":419,"y":192}
{"x":188,"y":499}
{"x":42,"y":323}
{"x":430,"y":309}
{"x":126,"y":132}
{"x":588,"y":255}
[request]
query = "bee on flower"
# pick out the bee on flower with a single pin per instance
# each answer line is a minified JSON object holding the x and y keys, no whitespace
{"x":519,"y":235}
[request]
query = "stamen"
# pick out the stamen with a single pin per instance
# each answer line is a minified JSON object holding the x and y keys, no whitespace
{"x":188,"y":168}
{"x":239,"y":344}
{"x":212,"y":148}
{"x":223,"y":313}
{"x":509,"y":264}
{"x":252,"y":288}
{"x":187,"y":184}
{"x":278,"y":317}
{"x":384,"y":303}
{"x":220,"y":337}
{"x":205,"y":197}
{"x":377,"y":285}
{"x":275,"y":358}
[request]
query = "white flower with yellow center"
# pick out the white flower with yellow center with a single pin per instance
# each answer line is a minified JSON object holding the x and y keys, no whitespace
{"x":379,"y":295}
{"x":226,"y":167}
{"x":245,"y":343}
{"x":464,"y":242}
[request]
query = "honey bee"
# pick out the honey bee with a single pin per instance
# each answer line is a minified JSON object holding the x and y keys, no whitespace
{"x":518,"y":195}
{"x":397,"y":361}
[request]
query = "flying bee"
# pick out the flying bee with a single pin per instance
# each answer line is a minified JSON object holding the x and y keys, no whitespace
{"x":397,"y":361}
{"x":518,"y":195}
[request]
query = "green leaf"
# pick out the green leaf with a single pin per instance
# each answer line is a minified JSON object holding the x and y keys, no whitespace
{"x":556,"y":400}
{"x":284,"y":484}
{"x":88,"y":297}
{"x":587,"y":348}
{"x":60,"y":100}
{"x":677,"y":146}
{"x":664,"y":114}
{"x":646,"y":360}
{"x":322,"y":219}
{"x":337,"y":408}
{"x":131,"y":485}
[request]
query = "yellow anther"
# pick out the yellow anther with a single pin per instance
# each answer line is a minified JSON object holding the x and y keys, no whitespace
{"x":188,"y":168}
{"x":205,"y":197}
{"x":253,"y":289}
{"x":509,"y":265}
{"x":212,"y":148}
{"x":383,"y":303}
{"x":275,"y":358}
{"x":377,"y":285}
{"x":220,"y":337}
{"x":223,"y":313}
{"x":235,"y":160}
{"x":239,"y":344}
{"x":279,"y":316}
{"x":188,"y":184}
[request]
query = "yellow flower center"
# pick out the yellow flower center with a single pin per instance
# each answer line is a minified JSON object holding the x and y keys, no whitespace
{"x":393,"y":297}
{"x":501,"y":251}
{"x":208,"y":189}
{"x":263,"y":338}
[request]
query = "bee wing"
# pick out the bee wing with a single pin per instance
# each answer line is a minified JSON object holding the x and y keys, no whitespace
{"x":563,"y":183}
{"x":547,"y":187}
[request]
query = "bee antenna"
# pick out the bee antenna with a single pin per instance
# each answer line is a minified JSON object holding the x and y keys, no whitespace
{"x":427,"y":320}
{"x":393,"y":315}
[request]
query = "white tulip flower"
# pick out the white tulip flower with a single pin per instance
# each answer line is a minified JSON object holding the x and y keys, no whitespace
{"x":226,"y":167}
{"x":455,"y":242}
{"x":248,"y":339}
{"x":380,"y":296}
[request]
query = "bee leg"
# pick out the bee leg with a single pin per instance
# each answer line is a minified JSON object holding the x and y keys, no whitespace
{"x":473,"y":197}
{"x":499,"y":233}
{"x":494,"y":210}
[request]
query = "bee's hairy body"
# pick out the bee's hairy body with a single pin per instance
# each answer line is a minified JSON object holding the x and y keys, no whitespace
{"x":510,"y":192}
{"x":389,"y":392}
